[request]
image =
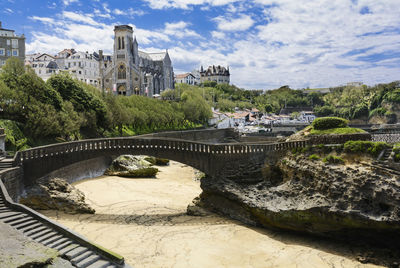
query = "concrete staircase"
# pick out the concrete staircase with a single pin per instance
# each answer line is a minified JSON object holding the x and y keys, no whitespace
{"x":5,"y":163}
{"x":386,"y":155}
{"x":69,"y":248}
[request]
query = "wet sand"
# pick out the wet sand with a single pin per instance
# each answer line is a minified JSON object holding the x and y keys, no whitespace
{"x":144,"y":220}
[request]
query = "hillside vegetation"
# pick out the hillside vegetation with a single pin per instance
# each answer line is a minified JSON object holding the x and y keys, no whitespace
{"x":35,"y":112}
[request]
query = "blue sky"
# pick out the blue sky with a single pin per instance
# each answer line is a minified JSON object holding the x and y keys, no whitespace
{"x":266,"y":43}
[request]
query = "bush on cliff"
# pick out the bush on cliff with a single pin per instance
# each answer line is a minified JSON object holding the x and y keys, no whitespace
{"x":369,"y":147}
{"x":333,"y":159}
{"x":329,"y":122}
{"x":396,"y":150}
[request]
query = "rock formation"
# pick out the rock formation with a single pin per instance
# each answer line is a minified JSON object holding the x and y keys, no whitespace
{"x":56,"y":193}
{"x":346,"y":201}
{"x":131,"y":166}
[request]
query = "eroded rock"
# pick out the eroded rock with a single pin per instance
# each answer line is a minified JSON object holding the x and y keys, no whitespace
{"x":58,"y":194}
{"x":341,"y":201}
{"x":132,"y":166}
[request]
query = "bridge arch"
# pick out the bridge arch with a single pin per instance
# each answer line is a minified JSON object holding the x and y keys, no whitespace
{"x":211,"y":159}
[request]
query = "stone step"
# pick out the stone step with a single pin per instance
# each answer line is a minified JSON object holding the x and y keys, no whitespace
{"x":63,"y":245}
{"x":46,"y":236}
{"x":22,"y":220}
{"x":81,"y":257}
{"x":58,"y":242}
{"x":16,"y":218}
{"x":51,"y":239}
{"x":75,"y":252}
{"x":25,"y":224}
{"x":9,"y":214}
{"x":36,"y":230}
{"x":40,"y":234}
{"x":68,"y":248}
{"x":99,"y":264}
{"x":88,"y":261}
{"x":28,"y":228}
{"x":5,"y":209}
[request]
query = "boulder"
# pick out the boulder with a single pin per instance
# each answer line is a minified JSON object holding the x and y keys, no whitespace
{"x":57,"y":194}
{"x":131,"y":166}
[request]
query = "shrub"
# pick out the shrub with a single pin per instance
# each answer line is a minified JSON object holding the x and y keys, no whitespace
{"x":313,"y":157}
{"x":329,"y":122}
{"x":378,"y":111}
{"x":372,"y":148}
{"x":333,"y":159}
{"x":396,"y":150}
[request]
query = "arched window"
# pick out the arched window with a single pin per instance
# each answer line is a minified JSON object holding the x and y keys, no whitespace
{"x":119,"y":43}
{"x":123,"y":43}
{"x":122,"y":72}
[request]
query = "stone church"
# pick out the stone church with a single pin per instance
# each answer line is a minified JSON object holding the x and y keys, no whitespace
{"x":130,"y":71}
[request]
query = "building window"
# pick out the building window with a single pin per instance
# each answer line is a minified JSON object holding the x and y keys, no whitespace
{"x":9,"y":53}
{"x":123,"y":43}
{"x":15,"y":52}
{"x":2,"y":51}
{"x":8,"y":42}
{"x":121,"y":72}
{"x":119,"y":43}
{"x":14,"y":43}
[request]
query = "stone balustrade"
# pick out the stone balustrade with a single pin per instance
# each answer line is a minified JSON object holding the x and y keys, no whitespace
{"x":150,"y":144}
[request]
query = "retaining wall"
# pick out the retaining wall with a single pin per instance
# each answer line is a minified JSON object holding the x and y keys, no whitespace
{"x":90,"y":168}
{"x":205,"y":135}
{"x":389,"y":138}
{"x":12,"y":179}
{"x":339,"y":139}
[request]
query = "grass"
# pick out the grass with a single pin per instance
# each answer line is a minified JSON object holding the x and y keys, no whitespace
{"x":332,"y":159}
{"x":337,"y":131}
{"x":314,"y":157}
{"x":396,"y":150}
{"x":369,"y":147}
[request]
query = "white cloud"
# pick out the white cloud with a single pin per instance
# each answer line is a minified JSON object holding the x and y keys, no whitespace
{"x":185,"y":4}
{"x":218,"y":35}
{"x":241,"y":23}
{"x":9,"y":10}
{"x":129,"y":12}
{"x":43,"y":19}
{"x":85,"y":18}
{"x":68,"y":2}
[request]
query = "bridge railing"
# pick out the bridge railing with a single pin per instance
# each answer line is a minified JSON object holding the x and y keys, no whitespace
{"x":144,"y":144}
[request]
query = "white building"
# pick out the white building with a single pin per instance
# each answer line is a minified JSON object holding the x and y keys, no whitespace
{"x":83,"y":66}
{"x":186,"y":78}
{"x":307,"y":116}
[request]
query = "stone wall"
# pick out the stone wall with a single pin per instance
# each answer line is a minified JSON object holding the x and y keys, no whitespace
{"x":389,"y":138}
{"x":206,"y":135}
{"x":339,"y":139}
{"x":12,"y":179}
{"x":2,"y":141}
{"x":90,"y":168}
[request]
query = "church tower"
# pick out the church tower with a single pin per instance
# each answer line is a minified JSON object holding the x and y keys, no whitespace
{"x":125,"y":62}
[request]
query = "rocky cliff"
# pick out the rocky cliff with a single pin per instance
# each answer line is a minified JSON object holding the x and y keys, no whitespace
{"x":349,"y":200}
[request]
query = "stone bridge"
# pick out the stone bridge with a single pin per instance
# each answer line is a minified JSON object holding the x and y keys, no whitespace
{"x":245,"y":160}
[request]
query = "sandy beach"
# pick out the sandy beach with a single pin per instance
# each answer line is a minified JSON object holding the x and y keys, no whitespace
{"x":145,"y":221}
